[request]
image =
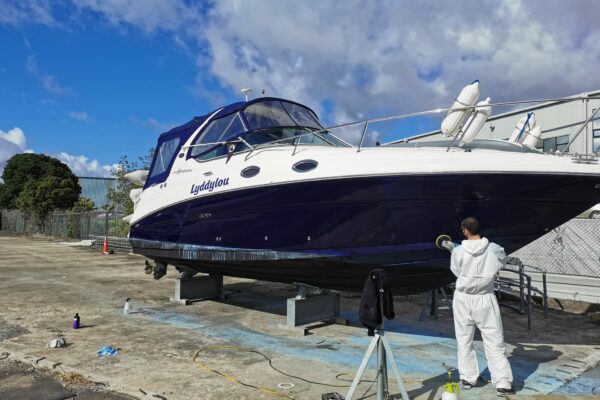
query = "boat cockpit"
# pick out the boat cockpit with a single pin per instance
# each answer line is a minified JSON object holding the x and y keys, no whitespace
{"x":266,"y":122}
{"x":239,"y":127}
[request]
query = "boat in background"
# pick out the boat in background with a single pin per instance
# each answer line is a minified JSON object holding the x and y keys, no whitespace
{"x":259,"y":189}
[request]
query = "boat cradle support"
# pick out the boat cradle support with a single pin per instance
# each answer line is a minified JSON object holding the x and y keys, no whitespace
{"x":313,"y":305}
{"x":188,"y":290}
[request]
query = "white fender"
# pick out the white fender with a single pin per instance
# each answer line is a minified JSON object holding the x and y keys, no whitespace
{"x":527,"y":119}
{"x":134,"y":194}
{"x":455,"y":118}
{"x":534,"y":137}
{"x":127,"y":218}
{"x":138,"y":177}
{"x":477,"y":121}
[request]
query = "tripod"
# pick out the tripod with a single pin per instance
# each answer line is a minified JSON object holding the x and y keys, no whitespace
{"x":384,"y":352}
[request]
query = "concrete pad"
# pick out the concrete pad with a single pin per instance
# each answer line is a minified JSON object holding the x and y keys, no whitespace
{"x":43,"y":284}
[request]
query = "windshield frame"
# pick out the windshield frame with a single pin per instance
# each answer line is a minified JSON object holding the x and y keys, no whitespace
{"x":288,"y":142}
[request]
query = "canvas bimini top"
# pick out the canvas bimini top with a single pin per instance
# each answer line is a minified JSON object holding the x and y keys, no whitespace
{"x":258,"y":121}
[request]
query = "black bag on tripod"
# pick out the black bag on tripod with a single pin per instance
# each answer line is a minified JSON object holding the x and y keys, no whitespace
{"x":370,"y":310}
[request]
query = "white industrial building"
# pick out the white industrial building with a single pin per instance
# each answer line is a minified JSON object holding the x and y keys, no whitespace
{"x":559,"y":122}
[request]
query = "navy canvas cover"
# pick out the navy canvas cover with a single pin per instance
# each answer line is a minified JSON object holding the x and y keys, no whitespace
{"x":183,"y":133}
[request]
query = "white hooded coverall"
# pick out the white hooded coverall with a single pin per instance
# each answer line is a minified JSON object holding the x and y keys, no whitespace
{"x":475,"y":263}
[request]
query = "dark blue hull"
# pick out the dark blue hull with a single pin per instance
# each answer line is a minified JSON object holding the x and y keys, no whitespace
{"x":331,"y":233}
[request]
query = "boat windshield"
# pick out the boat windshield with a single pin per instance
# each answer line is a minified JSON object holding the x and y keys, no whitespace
{"x":286,"y":136}
{"x":290,"y":136}
{"x":272,"y":113}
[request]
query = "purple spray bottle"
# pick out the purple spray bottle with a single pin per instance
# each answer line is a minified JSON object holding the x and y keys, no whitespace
{"x":76,"y":321}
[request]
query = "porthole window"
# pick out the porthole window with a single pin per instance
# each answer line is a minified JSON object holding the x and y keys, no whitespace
{"x":250,"y":172}
{"x":305,"y":165}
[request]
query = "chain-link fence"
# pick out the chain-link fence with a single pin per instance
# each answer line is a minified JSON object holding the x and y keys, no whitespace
{"x":65,"y":224}
{"x":570,"y":249}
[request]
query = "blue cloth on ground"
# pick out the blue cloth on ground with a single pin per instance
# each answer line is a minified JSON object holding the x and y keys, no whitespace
{"x":107,"y":351}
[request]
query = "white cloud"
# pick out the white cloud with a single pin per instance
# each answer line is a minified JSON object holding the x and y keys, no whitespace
{"x":153,"y":124}
{"x":394,"y":56}
{"x":15,"y":136}
{"x":83,"y":166}
{"x":158,"y":126}
{"x":49,"y":82}
{"x":148,"y":15}
{"x":81,"y":116}
{"x":19,"y":12}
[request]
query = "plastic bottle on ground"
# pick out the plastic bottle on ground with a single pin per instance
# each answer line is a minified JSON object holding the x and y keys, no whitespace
{"x":127,"y":307}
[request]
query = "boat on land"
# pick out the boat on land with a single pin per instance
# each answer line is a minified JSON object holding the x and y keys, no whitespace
{"x":260,"y":189}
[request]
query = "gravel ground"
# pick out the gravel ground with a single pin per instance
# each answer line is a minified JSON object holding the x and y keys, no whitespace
{"x":20,"y":381}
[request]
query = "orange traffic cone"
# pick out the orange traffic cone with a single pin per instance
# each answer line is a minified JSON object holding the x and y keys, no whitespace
{"x":105,"y":247}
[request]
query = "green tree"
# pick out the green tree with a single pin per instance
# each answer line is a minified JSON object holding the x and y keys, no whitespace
{"x":83,"y":205}
{"x":118,"y":198}
{"x":30,"y":170}
{"x":39,"y":197}
{"x":4,"y":197}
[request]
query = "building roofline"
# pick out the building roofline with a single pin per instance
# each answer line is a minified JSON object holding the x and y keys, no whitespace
{"x":97,"y":177}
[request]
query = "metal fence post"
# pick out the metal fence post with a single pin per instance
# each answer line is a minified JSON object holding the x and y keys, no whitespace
{"x":521,"y":287}
{"x":528,"y":302}
{"x":545,"y":295}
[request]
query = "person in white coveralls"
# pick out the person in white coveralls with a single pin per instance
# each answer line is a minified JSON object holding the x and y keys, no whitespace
{"x":475,"y":263}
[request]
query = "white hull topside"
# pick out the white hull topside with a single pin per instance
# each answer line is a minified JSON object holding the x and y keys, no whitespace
{"x":275,"y":162}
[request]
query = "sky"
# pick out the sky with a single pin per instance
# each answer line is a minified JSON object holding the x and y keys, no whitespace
{"x":90,"y":81}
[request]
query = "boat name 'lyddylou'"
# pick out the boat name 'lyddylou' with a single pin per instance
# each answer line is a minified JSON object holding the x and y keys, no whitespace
{"x":209,"y":185}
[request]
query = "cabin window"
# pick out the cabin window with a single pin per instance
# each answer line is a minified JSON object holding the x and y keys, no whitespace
{"x":250,"y":172}
{"x":305,"y":165}
{"x":218,"y":130}
{"x":164,"y":156}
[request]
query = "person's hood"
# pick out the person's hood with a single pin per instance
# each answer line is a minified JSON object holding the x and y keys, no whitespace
{"x":475,"y":247}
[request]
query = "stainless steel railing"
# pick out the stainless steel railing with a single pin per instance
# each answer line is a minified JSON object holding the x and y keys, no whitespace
{"x":364,"y":125}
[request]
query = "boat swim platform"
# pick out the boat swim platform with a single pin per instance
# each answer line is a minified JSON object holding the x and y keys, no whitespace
{"x":44,"y":283}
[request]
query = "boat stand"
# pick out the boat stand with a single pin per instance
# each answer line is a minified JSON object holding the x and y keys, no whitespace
{"x":188,"y":290}
{"x":384,"y":355}
{"x":433,"y":304}
{"x":311,"y":305}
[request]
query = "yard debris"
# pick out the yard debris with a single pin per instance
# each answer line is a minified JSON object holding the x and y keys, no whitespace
{"x":81,"y":243}
{"x":73,"y":378}
{"x":57,"y":342}
{"x":107,"y":351}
